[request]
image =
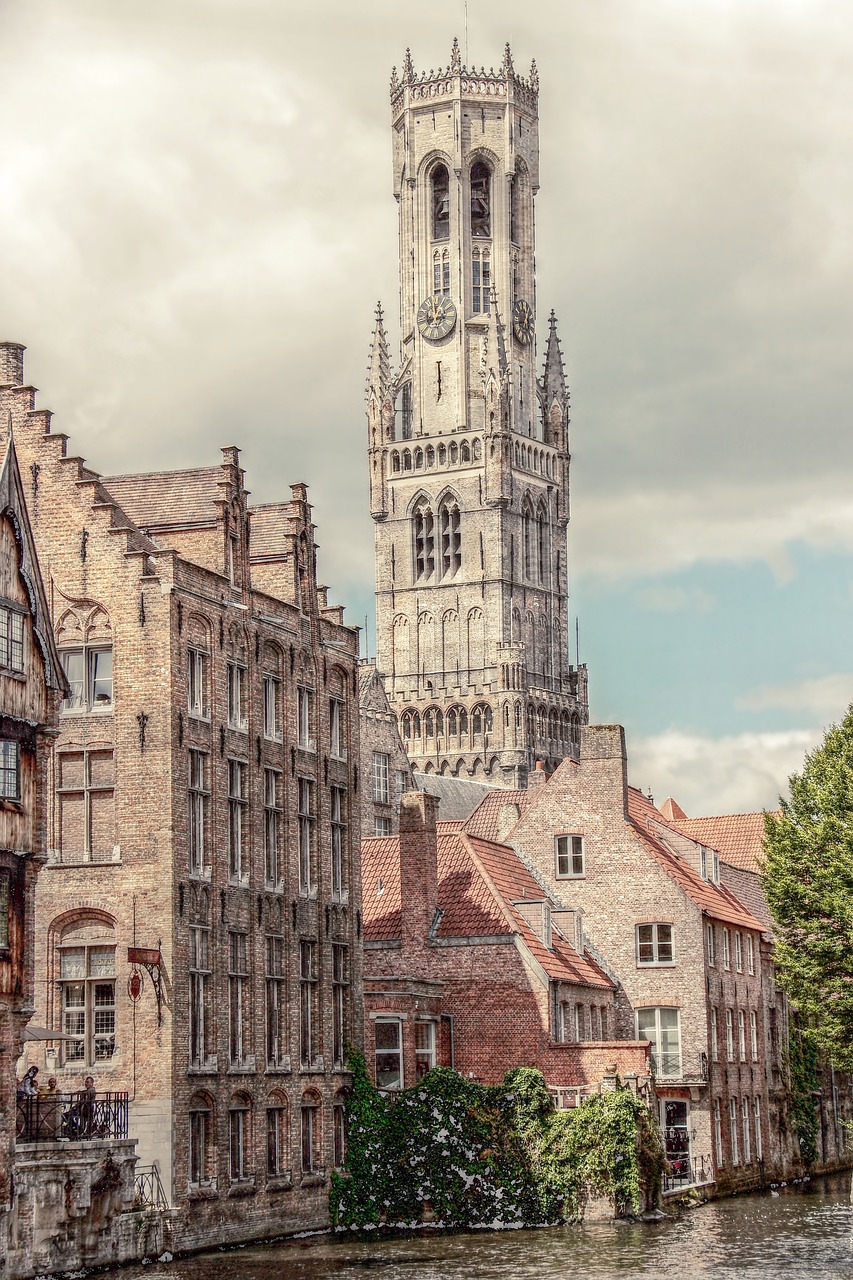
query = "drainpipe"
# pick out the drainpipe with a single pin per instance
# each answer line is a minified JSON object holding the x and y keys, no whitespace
{"x":448,"y":1017}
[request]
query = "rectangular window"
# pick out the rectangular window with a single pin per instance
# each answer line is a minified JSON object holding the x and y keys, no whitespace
{"x":569,"y":856}
{"x":90,"y":674}
{"x":604,"y":1020}
{"x":198,"y":801}
{"x":201,"y":1138}
{"x":272,"y":826}
{"x":756,"y":1114}
{"x":730,"y":1044}
{"x":715,"y":1048}
{"x":580,"y":1022}
{"x":654,"y":944}
{"x":480,"y":284}
{"x":238,"y":1143}
{"x":380,"y":778}
{"x":10,"y":772}
{"x":11,"y":639}
{"x":88,"y":1002}
{"x":661,"y":1026}
{"x":753,"y":1034}
{"x":277,"y":1142}
{"x":339,"y":1118}
{"x":710,"y":951}
{"x":750,"y":954}
{"x":403,"y":783}
{"x":337,"y":729}
{"x":741,"y":1034}
{"x":339,"y":841}
{"x":733,"y":1134}
{"x":305,"y":821}
{"x":197,"y":683}
{"x":307,"y":1002}
{"x":238,"y":708}
{"x":744,"y":1115}
{"x":237,"y":806}
{"x":276,"y":996}
{"x":201,"y":1025}
{"x":739,"y":952}
{"x":424,"y":1048}
{"x":5,"y":896}
{"x":305,"y":718}
{"x":238,"y":998}
{"x":381,"y":826}
{"x":272,"y":709}
{"x":310,"y":1136}
{"x":718,"y":1132}
{"x":564,"y":1029}
{"x":85,"y":795}
{"x":340,"y":989}
{"x":727,"y":950}
{"x":389,"y":1053}
{"x":703,"y":862}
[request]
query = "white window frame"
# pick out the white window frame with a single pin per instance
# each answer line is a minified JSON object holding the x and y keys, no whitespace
{"x":381,"y":777}
{"x":83,"y":701}
{"x":741,"y":1035}
{"x":305,"y":717}
{"x":198,"y":667}
{"x":710,"y":947}
{"x":730,"y":1036}
{"x":756,"y":1115}
{"x":733,"y":1130}
{"x":715,"y":1045}
{"x":727,"y":949}
{"x":201,"y":1146}
{"x":753,"y":1034}
{"x":425,"y":1029}
{"x":238,"y":827}
{"x":718,"y":1132}
{"x":198,"y":798}
{"x":238,"y":704}
{"x":200,"y":976}
{"x":90,"y":1036}
{"x":390,"y":1052}
{"x":570,"y":853}
{"x":747,"y":1144}
{"x":272,"y":708}
{"x":655,"y":943}
{"x":738,"y":952}
{"x":750,"y":954}
{"x":382,"y":825}
{"x":667,"y":1066}
{"x":337,"y":729}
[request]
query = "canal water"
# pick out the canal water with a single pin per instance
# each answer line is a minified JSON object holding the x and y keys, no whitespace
{"x":802,"y":1233}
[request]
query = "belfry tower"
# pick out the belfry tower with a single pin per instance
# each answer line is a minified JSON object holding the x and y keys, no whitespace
{"x":469,"y":451}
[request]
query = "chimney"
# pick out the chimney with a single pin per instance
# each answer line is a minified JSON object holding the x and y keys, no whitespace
{"x":418,"y":865}
{"x":11,"y":364}
{"x":538,"y":777}
{"x":603,"y":755}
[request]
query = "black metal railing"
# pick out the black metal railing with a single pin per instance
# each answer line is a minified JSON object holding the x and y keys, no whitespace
{"x":148,"y":1192}
{"x":685,"y":1172}
{"x":79,"y":1116}
{"x":680,"y":1066}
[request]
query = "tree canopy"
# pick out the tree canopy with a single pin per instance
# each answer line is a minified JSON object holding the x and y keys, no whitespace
{"x":808,"y":880}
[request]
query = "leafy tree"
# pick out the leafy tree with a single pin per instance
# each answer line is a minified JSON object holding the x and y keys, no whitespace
{"x":808,"y":879}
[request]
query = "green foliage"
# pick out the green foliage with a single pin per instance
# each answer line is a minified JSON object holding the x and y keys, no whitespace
{"x":808,"y":879}
{"x":467,"y":1154}
{"x":803,"y":1072}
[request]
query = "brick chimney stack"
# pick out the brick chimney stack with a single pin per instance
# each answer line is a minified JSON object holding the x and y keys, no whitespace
{"x":11,"y":364}
{"x":418,"y":865}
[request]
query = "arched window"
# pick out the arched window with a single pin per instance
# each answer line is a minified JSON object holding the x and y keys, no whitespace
{"x":439,"y":724}
{"x":453,"y":454}
{"x":405,"y":409}
{"x":402,"y":657}
{"x":576,"y":733}
{"x":463,"y":722}
{"x":312,"y":1131}
{"x":542,"y":544}
{"x":477,"y":723}
{"x":202,"y":1150}
{"x":419,"y":459}
{"x":487,"y":719}
{"x":429,"y":724}
{"x":527,"y":539}
{"x":395,"y":461}
{"x":278,"y":1136}
{"x":481,"y":281}
{"x":452,"y":723}
{"x":239,"y":1137}
{"x":407,"y":459}
{"x":440,"y":203}
{"x":86,"y":970}
{"x":451,"y":538}
{"x":430,"y":456}
{"x":442,"y":455}
{"x":481,"y":200}
{"x":424,"y":540}
{"x":465,"y":451}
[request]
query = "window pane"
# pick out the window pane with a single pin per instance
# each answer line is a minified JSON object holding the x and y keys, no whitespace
{"x":101,"y":676}
{"x":387,"y":1035}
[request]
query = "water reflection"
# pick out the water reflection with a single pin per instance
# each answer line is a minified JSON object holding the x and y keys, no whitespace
{"x":801,"y":1234}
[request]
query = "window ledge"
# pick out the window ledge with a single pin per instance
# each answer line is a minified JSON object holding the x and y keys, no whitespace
{"x":311,"y":1068}
{"x":205,"y":876}
{"x":239,"y":882}
{"x":89,"y":863}
{"x":14,"y":674}
{"x":316,"y":1178}
{"x":273,"y":737}
{"x":656,"y":964}
{"x":282,"y":1068}
{"x":242,"y":1187}
{"x":208,"y":1068}
{"x":202,"y":1190}
{"x":199,"y":717}
{"x":244,"y":1068}
{"x":280,"y":1182}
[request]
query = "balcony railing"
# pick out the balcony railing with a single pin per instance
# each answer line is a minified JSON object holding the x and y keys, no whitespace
{"x":680,"y":1066}
{"x":78,"y":1116}
{"x":148,"y":1189}
{"x":687,"y":1172}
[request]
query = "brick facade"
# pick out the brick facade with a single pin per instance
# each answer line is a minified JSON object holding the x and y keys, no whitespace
{"x":206,"y":803}
{"x":384,"y":764}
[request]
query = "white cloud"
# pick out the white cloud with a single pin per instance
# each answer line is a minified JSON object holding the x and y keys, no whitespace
{"x":731,"y":774}
{"x":825,"y":696}
{"x":659,"y":598}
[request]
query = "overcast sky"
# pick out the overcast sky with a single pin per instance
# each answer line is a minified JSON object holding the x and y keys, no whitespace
{"x":196,"y":222}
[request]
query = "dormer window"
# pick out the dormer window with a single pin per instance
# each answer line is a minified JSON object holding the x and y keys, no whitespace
{"x":440,"y":203}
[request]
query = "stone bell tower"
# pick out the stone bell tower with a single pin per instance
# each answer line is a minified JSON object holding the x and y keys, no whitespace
{"x":468,"y":449}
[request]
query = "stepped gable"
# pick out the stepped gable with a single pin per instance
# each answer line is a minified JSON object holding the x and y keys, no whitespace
{"x":478,"y":882}
{"x":717,"y":902}
{"x":737,"y":837}
{"x":160,"y":500}
{"x":271,"y":524}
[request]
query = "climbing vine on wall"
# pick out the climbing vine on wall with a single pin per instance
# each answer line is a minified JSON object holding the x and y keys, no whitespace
{"x":467,"y":1154}
{"x":802,"y":1066}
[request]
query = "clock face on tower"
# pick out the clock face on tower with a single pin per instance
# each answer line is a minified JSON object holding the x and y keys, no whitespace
{"x":436,"y":317}
{"x":522,"y":322}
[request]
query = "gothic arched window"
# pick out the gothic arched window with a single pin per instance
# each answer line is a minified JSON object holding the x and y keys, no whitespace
{"x":481,"y":281}
{"x":441,"y":273}
{"x":424,"y":540}
{"x":440,"y":203}
{"x":481,"y":200}
{"x":527,"y":539}
{"x":451,"y":538}
{"x":542,"y":543}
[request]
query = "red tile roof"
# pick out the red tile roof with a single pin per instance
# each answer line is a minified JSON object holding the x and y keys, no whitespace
{"x":737,"y":837}
{"x":478,"y":881}
{"x":718,"y":902}
{"x":169,"y":499}
{"x":497,"y":813}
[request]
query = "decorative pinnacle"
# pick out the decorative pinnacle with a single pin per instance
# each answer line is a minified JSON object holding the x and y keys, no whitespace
{"x":507,"y":66}
{"x":455,"y":59}
{"x":408,"y":68}
{"x":534,"y":76}
{"x":394,"y":79}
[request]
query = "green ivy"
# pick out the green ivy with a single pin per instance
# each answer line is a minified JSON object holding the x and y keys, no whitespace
{"x":467,"y":1154}
{"x":804,"y":1083}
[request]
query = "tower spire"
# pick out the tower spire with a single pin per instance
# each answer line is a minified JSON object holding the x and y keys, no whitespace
{"x":379,"y":363}
{"x":554,"y":377}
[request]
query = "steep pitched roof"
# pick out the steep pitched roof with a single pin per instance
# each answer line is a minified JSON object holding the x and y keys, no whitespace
{"x":737,"y":837}
{"x":168,"y":499}
{"x":715,"y":901}
{"x":478,"y":882}
{"x":459,"y":796}
{"x":497,"y":813}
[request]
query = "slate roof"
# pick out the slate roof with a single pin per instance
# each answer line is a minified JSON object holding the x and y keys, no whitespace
{"x":737,"y":837}
{"x":168,"y":499}
{"x":478,"y":880}
{"x":718,"y":902}
{"x":494,"y":812}
{"x":459,"y":796}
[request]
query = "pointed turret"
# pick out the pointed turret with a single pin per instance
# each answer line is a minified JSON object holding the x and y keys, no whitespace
{"x":380,"y":413}
{"x":379,"y":364}
{"x":408,"y":68}
{"x":508,"y":68}
{"x":455,"y":58}
{"x":554,"y":390}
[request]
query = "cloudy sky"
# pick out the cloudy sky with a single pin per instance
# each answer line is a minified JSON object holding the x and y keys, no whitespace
{"x":196,"y":221}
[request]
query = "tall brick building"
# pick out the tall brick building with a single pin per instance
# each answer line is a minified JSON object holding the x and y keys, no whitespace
{"x":468,"y":449}
{"x":205,"y":812}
